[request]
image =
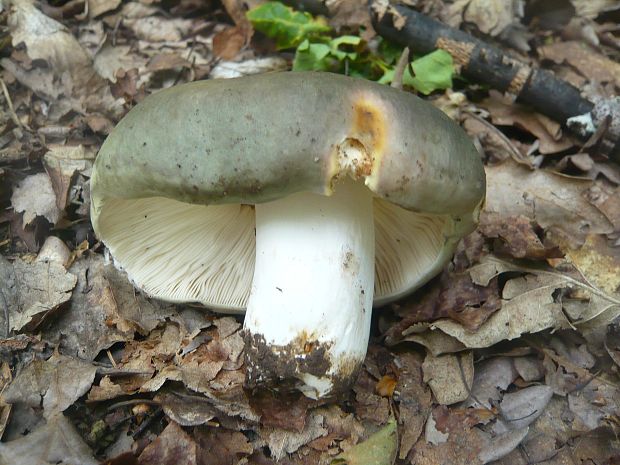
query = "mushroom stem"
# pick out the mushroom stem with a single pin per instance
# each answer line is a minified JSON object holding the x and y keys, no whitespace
{"x":308,"y":316}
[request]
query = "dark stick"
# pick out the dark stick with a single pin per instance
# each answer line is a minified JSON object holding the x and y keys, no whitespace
{"x":483,"y":63}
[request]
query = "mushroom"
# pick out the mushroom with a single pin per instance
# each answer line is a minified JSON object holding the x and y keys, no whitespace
{"x":301,"y":199}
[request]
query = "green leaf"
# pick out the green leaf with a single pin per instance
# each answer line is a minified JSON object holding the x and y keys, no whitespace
{"x":335,"y":44}
{"x":389,"y":51}
{"x":288,"y":27}
{"x":378,"y":449}
{"x":432,"y":72}
{"x":311,"y":57}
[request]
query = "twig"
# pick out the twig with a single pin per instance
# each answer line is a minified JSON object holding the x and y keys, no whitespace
{"x":399,"y":71}
{"x":482,"y":62}
{"x":5,"y":309}
{"x":127,"y":403}
{"x":9,"y":103}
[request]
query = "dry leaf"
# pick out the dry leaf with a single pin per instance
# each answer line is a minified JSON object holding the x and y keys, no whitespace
{"x":591,"y":64}
{"x":548,"y":132}
{"x":186,"y":410}
{"x":231,"y":69}
{"x":62,"y":163}
{"x":84,"y":327}
{"x":172,"y":447}
{"x":54,"y":443}
{"x":282,"y":442}
{"x":491,"y":16}
{"x":222,"y":447}
{"x":414,"y":402}
{"x":447,"y":374}
{"x":54,"y":384}
{"x":99,"y":7}
{"x":32,"y":291}
{"x":556,"y":203}
{"x":598,"y":262}
{"x":35,"y":197}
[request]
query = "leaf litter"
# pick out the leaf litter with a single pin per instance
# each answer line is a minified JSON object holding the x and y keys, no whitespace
{"x":511,"y":355}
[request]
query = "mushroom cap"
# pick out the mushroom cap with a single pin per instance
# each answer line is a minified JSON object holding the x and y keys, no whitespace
{"x":256,"y":139}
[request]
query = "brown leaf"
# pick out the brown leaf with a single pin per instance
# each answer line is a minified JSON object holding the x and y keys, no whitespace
{"x":55,"y":442}
{"x":456,"y":297}
{"x":588,"y":61}
{"x":99,"y":124}
{"x":548,"y":132}
{"x":55,"y":384}
{"x":462,"y":444}
{"x":282,"y":442}
{"x":221,"y":447}
{"x":228,"y":43}
{"x":449,"y":376}
{"x":556,"y":203}
{"x":607,"y":200}
{"x":61,"y":164}
{"x":598,"y":262}
{"x":172,"y":447}
{"x":33,"y":291}
{"x":106,"y":390}
{"x":518,"y":235}
{"x":368,"y":405}
{"x":35,"y":197}
{"x":414,"y":402}
{"x":350,"y":13}
{"x":286,"y":410}
{"x":166,"y":61}
{"x":126,"y":86}
{"x":186,"y":410}
{"x":83,"y":327}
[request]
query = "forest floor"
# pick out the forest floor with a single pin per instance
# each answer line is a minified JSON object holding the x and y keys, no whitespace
{"x":510,"y":356}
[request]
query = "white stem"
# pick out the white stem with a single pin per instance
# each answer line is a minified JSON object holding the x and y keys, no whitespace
{"x":308,"y":317}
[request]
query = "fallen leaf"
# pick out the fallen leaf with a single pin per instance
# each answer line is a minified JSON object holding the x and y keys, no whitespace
{"x":55,"y":442}
{"x":447,"y":374}
{"x":588,"y":61}
{"x":414,"y":402}
{"x":71,"y":72}
{"x":282,"y":442}
{"x":222,"y":447}
{"x":528,"y":306}
{"x":106,"y":390}
{"x":62,"y":163}
{"x":54,"y":384}
{"x":228,"y":43}
{"x":491,"y":378}
{"x":592,"y":8}
{"x":521,"y":408}
{"x":33,"y":291}
{"x":379,"y":449}
{"x":5,"y":408}
{"x":598,"y":262}
{"x":34,"y":196}
{"x":459,"y":442}
{"x":282,"y":411}
{"x":518,"y":236}
{"x":548,"y":132}
{"x":83,"y":326}
{"x":172,"y":447}
{"x":157,"y":29}
{"x":494,"y":447}
{"x":557,"y":204}
{"x":98,"y":7}
{"x":232,"y":69}
{"x":492,"y":17}
{"x":186,"y":410}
